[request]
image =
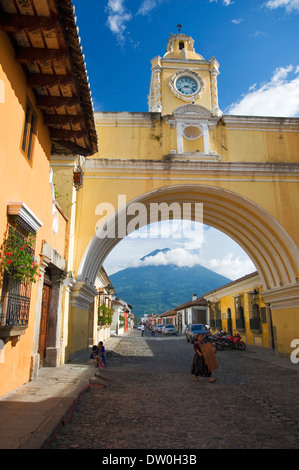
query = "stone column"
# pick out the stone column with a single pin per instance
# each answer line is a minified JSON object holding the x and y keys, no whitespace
{"x":53,"y":351}
{"x":35,"y":358}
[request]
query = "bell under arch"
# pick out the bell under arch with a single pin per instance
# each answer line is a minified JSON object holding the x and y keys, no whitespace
{"x":265,"y":241}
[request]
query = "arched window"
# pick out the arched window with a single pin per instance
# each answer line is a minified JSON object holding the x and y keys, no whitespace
{"x":255,"y":320}
{"x":239,"y":312}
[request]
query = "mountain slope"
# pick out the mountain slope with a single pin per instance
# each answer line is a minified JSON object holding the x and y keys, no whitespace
{"x":156,"y":289}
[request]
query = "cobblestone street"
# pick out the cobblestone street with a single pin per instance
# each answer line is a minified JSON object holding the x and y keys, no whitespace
{"x":151,"y":402}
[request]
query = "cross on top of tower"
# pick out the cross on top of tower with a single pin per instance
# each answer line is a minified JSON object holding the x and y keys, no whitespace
{"x":179,"y":26}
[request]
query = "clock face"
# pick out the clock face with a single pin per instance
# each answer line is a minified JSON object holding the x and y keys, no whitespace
{"x":186,"y":85}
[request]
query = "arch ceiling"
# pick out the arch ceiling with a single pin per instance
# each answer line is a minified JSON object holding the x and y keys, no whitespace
{"x":273,"y":252}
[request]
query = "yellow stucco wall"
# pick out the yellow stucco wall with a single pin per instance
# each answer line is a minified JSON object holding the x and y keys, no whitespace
{"x":254,"y":159}
{"x":28,"y":182}
{"x":286,"y":322}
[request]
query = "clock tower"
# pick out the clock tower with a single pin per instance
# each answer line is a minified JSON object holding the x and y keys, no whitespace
{"x":183,"y":76}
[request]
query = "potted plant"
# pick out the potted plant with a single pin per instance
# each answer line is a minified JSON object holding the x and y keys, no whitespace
{"x":18,"y":258}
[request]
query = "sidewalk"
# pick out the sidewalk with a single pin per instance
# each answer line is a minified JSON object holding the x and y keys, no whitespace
{"x":31,"y":415}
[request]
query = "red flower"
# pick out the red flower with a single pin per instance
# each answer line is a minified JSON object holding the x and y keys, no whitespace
{"x":7,"y":254}
{"x":22,"y":248}
{"x":8,"y":261}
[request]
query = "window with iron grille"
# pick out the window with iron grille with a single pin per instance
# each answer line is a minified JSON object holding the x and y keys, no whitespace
{"x":15,"y":295}
{"x":15,"y":301}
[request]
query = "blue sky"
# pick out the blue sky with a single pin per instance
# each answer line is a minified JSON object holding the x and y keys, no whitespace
{"x":254,"y":41}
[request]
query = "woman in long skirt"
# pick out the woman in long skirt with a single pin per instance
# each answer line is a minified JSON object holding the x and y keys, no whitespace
{"x":204,"y":360}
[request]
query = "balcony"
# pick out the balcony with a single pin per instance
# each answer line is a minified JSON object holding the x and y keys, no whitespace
{"x":14,"y":308}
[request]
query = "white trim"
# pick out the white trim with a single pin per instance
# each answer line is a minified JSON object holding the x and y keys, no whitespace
{"x":260,"y":123}
{"x":189,"y":73}
{"x":248,"y":170}
{"x":282,"y":298}
{"x":22,"y":211}
{"x":82,"y":295}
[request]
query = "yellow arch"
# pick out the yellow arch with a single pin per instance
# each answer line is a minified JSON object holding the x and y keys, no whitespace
{"x":271,"y":249}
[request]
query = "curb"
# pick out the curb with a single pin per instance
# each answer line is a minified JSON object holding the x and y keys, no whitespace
{"x":65,"y":418}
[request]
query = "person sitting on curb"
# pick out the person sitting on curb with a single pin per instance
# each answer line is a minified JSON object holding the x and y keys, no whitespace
{"x":95,"y":357}
{"x":102,"y":352}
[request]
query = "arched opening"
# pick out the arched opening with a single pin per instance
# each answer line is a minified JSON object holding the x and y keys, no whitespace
{"x":265,"y":241}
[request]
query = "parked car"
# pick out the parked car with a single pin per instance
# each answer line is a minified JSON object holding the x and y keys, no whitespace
{"x":170,"y":330}
{"x":195,"y":329}
{"x":159,"y":328}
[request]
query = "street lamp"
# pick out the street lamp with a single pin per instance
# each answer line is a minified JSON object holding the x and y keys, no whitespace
{"x":109,"y":288}
{"x":255,"y":295}
{"x":78,"y":177}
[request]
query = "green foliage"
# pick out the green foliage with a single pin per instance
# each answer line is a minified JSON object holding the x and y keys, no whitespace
{"x":105,"y":315}
{"x":18,"y":257}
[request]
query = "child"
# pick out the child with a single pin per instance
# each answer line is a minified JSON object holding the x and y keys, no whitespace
{"x":102,"y":352}
{"x":95,"y":357}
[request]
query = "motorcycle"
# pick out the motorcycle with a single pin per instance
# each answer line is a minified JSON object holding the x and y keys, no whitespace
{"x":232,"y":341}
{"x":216,"y":342}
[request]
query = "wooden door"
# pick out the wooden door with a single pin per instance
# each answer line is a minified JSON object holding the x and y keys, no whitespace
{"x":44,"y":323}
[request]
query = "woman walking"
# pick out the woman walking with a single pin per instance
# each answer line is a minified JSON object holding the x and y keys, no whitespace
{"x":204,"y":360}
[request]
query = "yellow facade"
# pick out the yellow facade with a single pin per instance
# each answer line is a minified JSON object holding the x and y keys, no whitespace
{"x":239,"y":307}
{"x":40,"y":114}
{"x":22,"y":180}
{"x":244,"y":170}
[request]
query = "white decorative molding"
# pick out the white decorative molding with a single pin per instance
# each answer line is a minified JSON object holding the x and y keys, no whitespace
{"x":53,"y":256}
{"x":192,"y":115}
{"x":26,"y":217}
{"x":189,"y":73}
{"x":282,"y":298}
{"x":82,"y":295}
{"x":260,"y":123}
{"x":126,"y":119}
{"x":195,"y":156}
{"x":247,"y":170}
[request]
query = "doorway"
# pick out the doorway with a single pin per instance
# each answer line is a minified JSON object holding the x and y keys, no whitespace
{"x":44,"y":322}
{"x":229,"y":322}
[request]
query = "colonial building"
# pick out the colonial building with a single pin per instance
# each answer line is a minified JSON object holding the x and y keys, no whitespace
{"x":240,"y":306}
{"x":45,"y":109}
{"x":67,"y":203}
{"x":194,"y":311}
{"x":183,"y":153}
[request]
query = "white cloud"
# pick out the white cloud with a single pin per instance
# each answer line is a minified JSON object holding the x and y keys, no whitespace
{"x":146,"y":7}
{"x":118,"y":17}
{"x":225,"y":2}
{"x":230,"y":266}
{"x":237,"y":20}
{"x":279,"y":97}
{"x":178,"y":257}
{"x":256,"y":34}
{"x":289,"y":5}
{"x":216,"y":252}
